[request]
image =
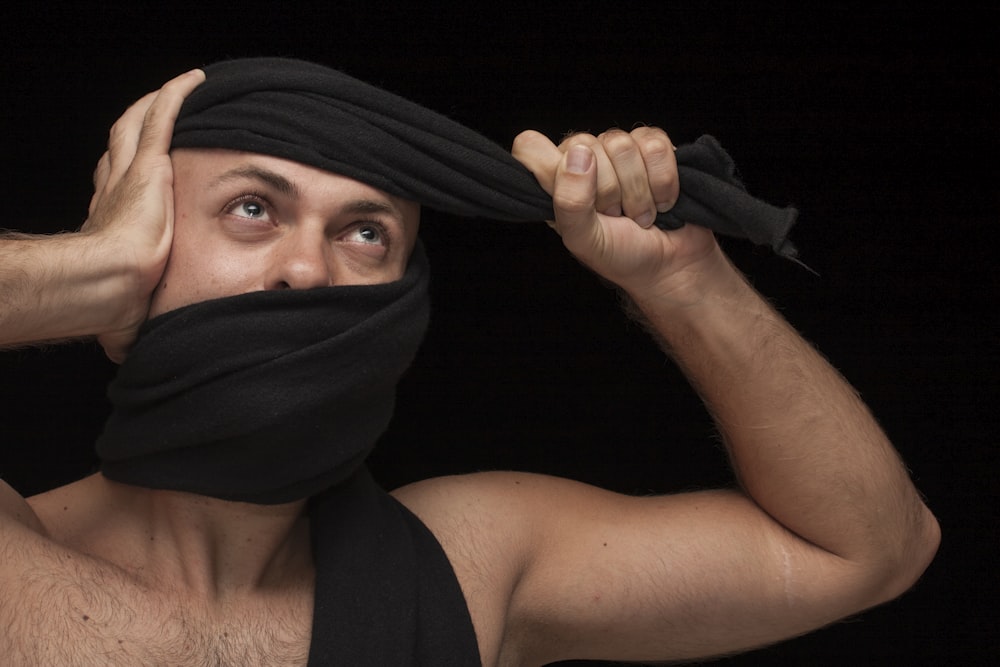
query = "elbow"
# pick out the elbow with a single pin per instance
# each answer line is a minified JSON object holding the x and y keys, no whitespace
{"x":901,"y":567}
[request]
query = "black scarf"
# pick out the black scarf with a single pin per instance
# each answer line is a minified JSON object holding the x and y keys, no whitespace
{"x":324,"y":118}
{"x":266,"y":397}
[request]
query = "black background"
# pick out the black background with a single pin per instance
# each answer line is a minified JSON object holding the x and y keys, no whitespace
{"x":879,"y":124}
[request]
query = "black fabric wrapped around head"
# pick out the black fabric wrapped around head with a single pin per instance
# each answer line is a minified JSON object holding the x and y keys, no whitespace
{"x":266,"y":397}
{"x":324,"y":118}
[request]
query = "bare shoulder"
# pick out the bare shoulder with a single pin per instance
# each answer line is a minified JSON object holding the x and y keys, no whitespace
{"x":483,"y":540}
{"x":31,"y":566}
{"x":493,"y":526}
{"x":14,"y":508}
{"x":491,"y":521}
{"x":500,"y":501}
{"x":514,"y":509}
{"x":490,"y":518}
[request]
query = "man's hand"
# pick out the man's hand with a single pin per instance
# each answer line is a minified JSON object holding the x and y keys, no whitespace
{"x":132,"y":209}
{"x":98,"y":282}
{"x":606,"y":192}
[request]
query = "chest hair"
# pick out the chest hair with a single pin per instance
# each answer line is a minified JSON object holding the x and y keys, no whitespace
{"x":68,"y":609}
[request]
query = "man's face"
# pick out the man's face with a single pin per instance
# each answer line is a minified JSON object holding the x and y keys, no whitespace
{"x":245,"y":222}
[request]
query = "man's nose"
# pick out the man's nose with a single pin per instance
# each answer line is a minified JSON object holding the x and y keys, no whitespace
{"x":301,"y":262}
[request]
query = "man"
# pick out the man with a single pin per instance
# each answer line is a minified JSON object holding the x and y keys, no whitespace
{"x":155,"y":561}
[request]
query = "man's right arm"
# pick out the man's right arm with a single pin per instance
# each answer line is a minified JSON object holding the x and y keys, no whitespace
{"x":59,"y":287}
{"x":98,"y":281}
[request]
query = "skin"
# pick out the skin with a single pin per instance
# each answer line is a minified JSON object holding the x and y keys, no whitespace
{"x":246,"y":222}
{"x":825,"y":524}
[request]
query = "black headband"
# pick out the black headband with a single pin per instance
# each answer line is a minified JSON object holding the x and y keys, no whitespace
{"x":324,"y":118}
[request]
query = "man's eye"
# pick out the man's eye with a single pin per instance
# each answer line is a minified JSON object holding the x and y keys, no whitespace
{"x":249,"y":206}
{"x":370,"y":234}
{"x":250,"y":209}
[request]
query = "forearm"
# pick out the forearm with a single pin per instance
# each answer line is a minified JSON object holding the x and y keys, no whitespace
{"x":803,"y":445}
{"x":59,"y":287}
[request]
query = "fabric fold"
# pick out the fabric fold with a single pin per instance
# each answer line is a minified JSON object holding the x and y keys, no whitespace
{"x":324,"y":118}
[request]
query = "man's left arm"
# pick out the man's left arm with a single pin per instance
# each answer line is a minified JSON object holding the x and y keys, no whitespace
{"x":826,"y":511}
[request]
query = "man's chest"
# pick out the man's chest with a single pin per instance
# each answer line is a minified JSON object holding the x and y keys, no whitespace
{"x":82,"y":615}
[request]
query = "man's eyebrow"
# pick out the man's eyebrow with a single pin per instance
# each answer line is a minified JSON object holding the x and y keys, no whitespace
{"x":275,"y":180}
{"x":363,"y":206}
{"x":287,"y":188}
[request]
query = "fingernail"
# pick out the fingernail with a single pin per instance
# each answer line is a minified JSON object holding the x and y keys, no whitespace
{"x":646,"y":219}
{"x":579,"y":159}
{"x":663,"y":208}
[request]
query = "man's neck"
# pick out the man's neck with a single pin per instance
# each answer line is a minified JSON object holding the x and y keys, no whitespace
{"x":214,"y":549}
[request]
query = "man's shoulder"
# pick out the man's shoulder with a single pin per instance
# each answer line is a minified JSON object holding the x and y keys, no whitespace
{"x":15,"y":510}
{"x":497,"y":521}
{"x":462,"y":510}
{"x":505,"y":534}
{"x":30,"y":578}
{"x":493,"y":493}
{"x":489,"y":495}
{"x":482,"y":535}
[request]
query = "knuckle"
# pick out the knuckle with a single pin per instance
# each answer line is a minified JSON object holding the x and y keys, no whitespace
{"x":150,"y":118}
{"x":528,"y":142}
{"x":528,"y":137}
{"x":116,"y":135}
{"x":643,"y":130}
{"x":146,"y":142}
{"x":649,"y":131}
{"x":612,"y":133}
{"x":522,"y":141}
{"x":618,"y":142}
{"x":658,"y":154}
{"x":578,"y":139}
{"x":608,"y":191}
{"x":101,"y":170}
{"x":657,"y":147}
{"x":571,"y":200}
{"x":652,"y":140}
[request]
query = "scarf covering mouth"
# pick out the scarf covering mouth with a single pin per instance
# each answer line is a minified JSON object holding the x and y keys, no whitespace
{"x":324,"y":118}
{"x":267,"y":397}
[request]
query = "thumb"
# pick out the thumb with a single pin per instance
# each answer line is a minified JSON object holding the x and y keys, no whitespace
{"x":573,"y":199}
